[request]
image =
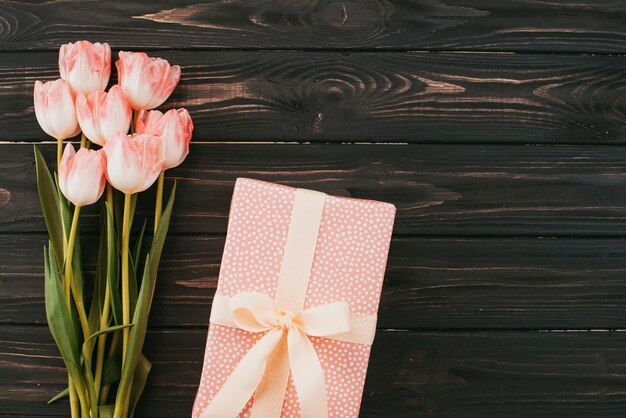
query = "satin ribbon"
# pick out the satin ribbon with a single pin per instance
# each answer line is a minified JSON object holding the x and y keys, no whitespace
{"x":257,"y":312}
{"x":285,"y":347}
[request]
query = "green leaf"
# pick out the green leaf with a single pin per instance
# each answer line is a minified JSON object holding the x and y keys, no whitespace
{"x":132,"y":271}
{"x":106,"y":331}
{"x":88,"y":375}
{"x":139,"y":382}
{"x":118,"y":206}
{"x":159,"y":236}
{"x":66,"y":213}
{"x":144,"y":301}
{"x":65,"y":330}
{"x":133,"y":258}
{"x":49,"y":199}
{"x":139,"y":243}
{"x":62,"y":325}
{"x":77,"y":259}
{"x":112,"y":369}
{"x":61,"y":395}
{"x":137,"y":336}
{"x":106,"y":411}
{"x":99,"y":287}
{"x":113,"y":269}
{"x":77,"y":265}
{"x":132,"y":284}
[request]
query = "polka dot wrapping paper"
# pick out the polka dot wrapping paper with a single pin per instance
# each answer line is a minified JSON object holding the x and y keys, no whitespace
{"x":349,"y":265}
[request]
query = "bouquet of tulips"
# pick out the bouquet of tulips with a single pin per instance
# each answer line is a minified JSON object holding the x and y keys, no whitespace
{"x":101,"y":342}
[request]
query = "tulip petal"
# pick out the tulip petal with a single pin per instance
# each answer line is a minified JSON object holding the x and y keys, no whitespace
{"x":55,"y":109}
{"x":85,"y":66}
{"x":102,"y":115}
{"x":174,"y":128}
{"x":82,"y":175}
{"x":146,"y":82}
{"x":134,"y":161}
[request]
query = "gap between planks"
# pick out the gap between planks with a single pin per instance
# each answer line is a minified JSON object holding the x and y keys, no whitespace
{"x":318,"y":143}
{"x":346,"y":50}
{"x":442,"y":331}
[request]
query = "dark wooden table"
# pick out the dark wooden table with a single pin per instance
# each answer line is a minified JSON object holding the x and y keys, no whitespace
{"x":496,"y":127}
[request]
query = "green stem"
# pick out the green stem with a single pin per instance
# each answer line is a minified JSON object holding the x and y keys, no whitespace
{"x":125,"y":285}
{"x":104,"y":320}
{"x":59,"y":152}
{"x":122,"y":404}
{"x":84,"y":402}
{"x":75,"y":399}
{"x":106,"y":312}
{"x":121,"y":401}
{"x":74,"y":404}
{"x":158,"y":210}
{"x":79,"y":404}
{"x":83,"y":140}
{"x":70,"y":254}
{"x":63,"y":226}
{"x":80,"y":307}
{"x":133,"y":125}
{"x":104,"y":393}
{"x":85,"y":412}
{"x":70,"y":286}
{"x":92,"y":406}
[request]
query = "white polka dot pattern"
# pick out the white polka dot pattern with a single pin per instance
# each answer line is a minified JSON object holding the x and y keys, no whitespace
{"x":349,"y":265}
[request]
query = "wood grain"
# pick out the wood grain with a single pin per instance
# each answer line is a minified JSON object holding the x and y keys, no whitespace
{"x":439,"y":190}
{"x":505,"y":293}
{"x":514,"y":25}
{"x":430,"y":283}
{"x":370,"y":97}
{"x":413,"y":374}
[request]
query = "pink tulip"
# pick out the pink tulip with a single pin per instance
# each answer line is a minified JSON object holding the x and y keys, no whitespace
{"x":85,"y":66}
{"x":82,"y":175}
{"x":174,"y":128}
{"x":101,"y":115}
{"x":147,"y":82}
{"x":134,"y":161}
{"x":54,"y":109}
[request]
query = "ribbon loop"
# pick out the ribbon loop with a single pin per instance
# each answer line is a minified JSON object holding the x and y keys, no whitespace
{"x":324,"y":320}
{"x":253,"y":312}
{"x":257,"y":312}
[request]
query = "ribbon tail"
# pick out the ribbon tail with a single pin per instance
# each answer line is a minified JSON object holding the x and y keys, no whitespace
{"x":243,"y":381}
{"x":308,"y":376}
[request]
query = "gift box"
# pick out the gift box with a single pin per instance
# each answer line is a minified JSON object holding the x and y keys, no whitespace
{"x":294,"y":313}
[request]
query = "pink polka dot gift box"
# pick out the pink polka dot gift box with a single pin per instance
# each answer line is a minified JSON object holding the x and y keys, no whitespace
{"x":294,"y":314}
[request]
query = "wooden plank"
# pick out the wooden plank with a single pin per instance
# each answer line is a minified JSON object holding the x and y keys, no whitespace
{"x":438,"y":189}
{"x":515,"y":25}
{"x":430,"y":283}
{"x":370,"y":97}
{"x":483,"y":374}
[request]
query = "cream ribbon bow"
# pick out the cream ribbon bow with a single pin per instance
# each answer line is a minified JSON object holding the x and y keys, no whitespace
{"x":257,"y":312}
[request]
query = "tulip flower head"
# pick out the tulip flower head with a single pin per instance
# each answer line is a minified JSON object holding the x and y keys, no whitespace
{"x":102,"y":115}
{"x":174,"y":128}
{"x":54,"y":109}
{"x":82,"y":175}
{"x":147,"y":82}
{"x":85,"y":66}
{"x":134,"y":161}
